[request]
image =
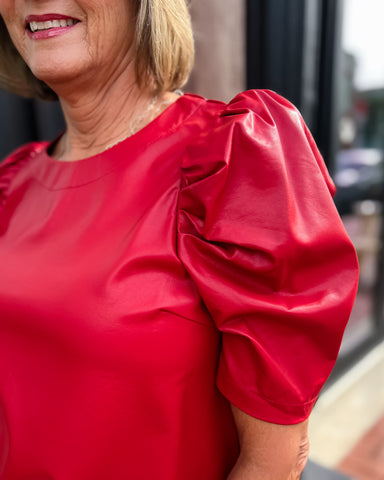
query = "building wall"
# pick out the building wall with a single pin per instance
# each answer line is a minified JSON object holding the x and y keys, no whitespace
{"x":220,"y":68}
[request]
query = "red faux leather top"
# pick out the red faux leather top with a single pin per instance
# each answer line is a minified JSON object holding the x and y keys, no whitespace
{"x":199,"y":261}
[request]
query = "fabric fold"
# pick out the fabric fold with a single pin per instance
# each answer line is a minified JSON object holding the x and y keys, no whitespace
{"x":261,"y":238}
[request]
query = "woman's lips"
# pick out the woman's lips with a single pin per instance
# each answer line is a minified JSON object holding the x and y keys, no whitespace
{"x":49,"y":25}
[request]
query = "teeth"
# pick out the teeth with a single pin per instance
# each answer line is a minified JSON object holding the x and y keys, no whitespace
{"x":39,"y":26}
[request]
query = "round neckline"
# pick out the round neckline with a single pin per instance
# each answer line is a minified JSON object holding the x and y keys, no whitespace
{"x":58,"y":174}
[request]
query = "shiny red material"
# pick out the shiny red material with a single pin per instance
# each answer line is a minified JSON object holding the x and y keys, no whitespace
{"x":199,"y":261}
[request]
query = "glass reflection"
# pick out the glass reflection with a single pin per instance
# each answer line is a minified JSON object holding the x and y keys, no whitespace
{"x":359,"y":173}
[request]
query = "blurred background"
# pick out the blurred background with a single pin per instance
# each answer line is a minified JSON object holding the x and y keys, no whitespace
{"x":326,"y":56}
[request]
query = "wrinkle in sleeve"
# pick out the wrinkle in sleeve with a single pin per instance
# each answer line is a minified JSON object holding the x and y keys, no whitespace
{"x":260,"y":236}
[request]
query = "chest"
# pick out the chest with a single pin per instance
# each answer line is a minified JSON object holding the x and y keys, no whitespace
{"x":95,"y":270}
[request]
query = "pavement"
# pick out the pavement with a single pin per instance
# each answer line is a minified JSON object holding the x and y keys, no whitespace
{"x":366,"y":460}
{"x":313,"y":471}
{"x":347,"y":425}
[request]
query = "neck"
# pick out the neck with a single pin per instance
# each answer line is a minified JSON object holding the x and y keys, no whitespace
{"x":99,"y":116}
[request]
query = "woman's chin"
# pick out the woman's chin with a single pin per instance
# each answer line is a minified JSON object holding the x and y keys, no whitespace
{"x":55,"y":77}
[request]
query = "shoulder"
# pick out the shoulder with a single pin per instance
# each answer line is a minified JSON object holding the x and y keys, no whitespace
{"x":258,"y":134}
{"x":263,"y":102}
{"x":253,"y":113}
{"x":14,"y":162}
{"x":264,"y":105}
{"x":23,"y":152}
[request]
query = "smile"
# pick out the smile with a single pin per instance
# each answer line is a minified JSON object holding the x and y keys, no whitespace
{"x":48,"y":25}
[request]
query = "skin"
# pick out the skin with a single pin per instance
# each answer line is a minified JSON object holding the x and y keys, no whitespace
{"x":269,"y":451}
{"x":91,"y":68}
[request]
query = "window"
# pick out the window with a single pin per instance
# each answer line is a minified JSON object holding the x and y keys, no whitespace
{"x":359,"y":159}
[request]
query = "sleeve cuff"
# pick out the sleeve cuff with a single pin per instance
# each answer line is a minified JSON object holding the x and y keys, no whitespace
{"x":261,"y":408}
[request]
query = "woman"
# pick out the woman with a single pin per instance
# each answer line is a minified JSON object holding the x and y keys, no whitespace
{"x":175,"y":277}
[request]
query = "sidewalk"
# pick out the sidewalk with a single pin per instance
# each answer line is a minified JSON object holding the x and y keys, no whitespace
{"x":313,"y":471}
{"x":347,"y":424}
{"x":366,"y":460}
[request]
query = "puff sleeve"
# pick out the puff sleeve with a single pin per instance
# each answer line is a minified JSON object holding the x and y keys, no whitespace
{"x":260,"y":236}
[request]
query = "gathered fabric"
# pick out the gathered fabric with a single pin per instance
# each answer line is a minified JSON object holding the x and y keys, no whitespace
{"x":198,"y":263}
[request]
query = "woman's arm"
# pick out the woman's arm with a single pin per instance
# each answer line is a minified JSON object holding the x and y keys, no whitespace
{"x":269,"y":451}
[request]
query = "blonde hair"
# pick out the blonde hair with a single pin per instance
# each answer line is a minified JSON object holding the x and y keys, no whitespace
{"x":163,"y":45}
